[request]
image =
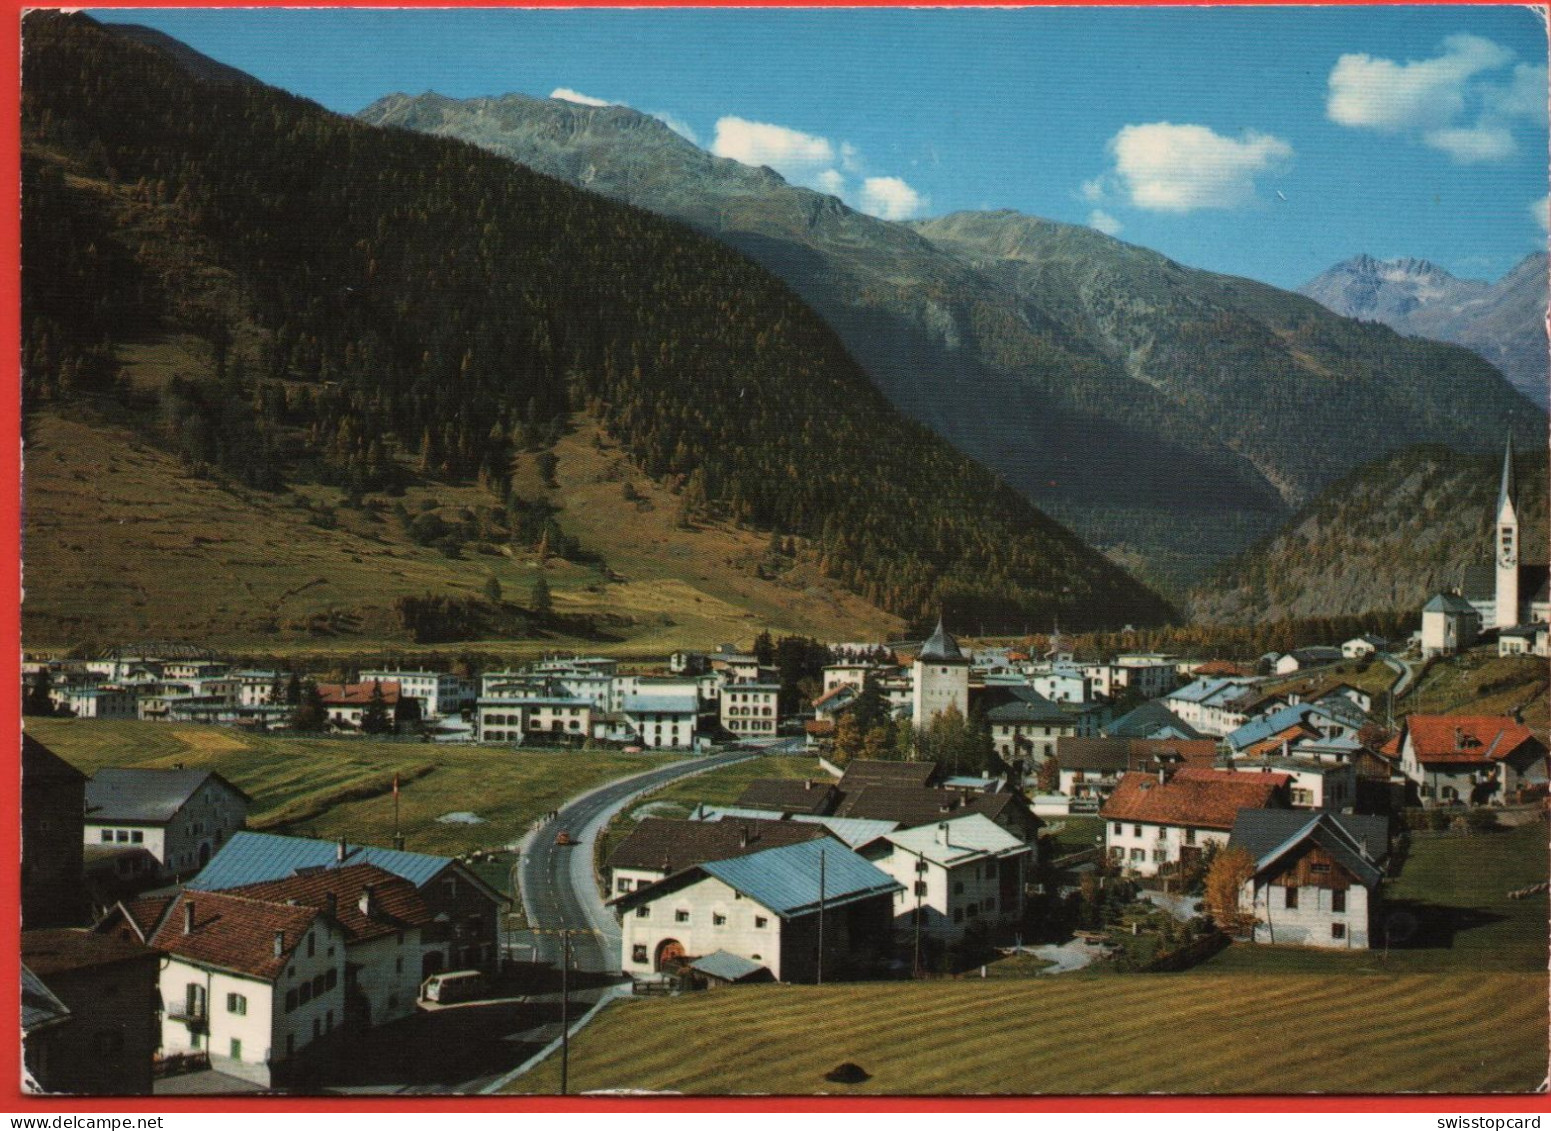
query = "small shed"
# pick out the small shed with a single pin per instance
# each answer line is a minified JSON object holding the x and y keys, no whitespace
{"x":720,"y":968}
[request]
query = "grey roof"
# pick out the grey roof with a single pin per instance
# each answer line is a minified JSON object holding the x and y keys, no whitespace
{"x":1508,"y":489}
{"x":1147,"y":720}
{"x":941,"y":647}
{"x":250,"y":858}
{"x":683,"y":704}
{"x":1268,"y":833}
{"x":1449,"y":603}
{"x":1026,"y":705}
{"x":852,"y":830}
{"x":726,"y":966}
{"x":40,"y":1007}
{"x":145,"y":796}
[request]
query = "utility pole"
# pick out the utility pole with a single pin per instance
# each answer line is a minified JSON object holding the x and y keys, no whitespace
{"x":919,"y":884}
{"x":565,"y":1009}
{"x":821,"y":918}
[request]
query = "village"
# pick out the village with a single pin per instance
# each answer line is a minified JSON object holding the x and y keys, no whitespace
{"x":968,"y":806}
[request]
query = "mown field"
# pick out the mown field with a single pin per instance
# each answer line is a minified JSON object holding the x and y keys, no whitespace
{"x":1146,"y":1033}
{"x":1458,"y":1005}
{"x":343,"y":787}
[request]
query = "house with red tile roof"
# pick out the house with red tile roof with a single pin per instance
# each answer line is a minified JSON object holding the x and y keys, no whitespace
{"x":346,"y":703}
{"x":384,"y":920}
{"x":255,"y":984}
{"x":1163,"y":822}
{"x":1470,"y":759}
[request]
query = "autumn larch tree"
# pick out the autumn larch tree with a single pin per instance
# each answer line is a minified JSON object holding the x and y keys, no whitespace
{"x":1224,"y":883}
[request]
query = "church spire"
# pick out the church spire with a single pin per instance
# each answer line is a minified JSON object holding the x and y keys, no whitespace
{"x":1507,"y":494}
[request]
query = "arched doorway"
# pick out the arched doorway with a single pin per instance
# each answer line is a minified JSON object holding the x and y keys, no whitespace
{"x":668,"y":950}
{"x":430,"y":964}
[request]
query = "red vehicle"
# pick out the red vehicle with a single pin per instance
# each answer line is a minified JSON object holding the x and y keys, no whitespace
{"x":564,"y":839}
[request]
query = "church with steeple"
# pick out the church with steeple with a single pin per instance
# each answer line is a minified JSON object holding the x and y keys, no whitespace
{"x":1510,"y":592}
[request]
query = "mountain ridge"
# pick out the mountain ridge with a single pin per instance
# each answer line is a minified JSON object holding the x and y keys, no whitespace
{"x":1055,"y":379}
{"x":369,"y":309}
{"x":1502,"y":321}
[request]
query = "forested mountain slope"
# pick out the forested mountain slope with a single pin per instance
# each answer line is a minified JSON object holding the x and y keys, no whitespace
{"x":1162,"y":412}
{"x":376,"y":308}
{"x":1387,"y":536}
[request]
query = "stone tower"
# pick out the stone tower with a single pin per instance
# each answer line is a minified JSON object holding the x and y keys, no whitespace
{"x":941,"y":680}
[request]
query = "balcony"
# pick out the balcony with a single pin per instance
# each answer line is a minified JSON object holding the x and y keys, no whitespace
{"x":194,"y":1014}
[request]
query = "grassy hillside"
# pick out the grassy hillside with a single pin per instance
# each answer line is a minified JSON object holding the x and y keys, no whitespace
{"x":343,"y":787}
{"x":284,"y":297}
{"x":1387,"y":536}
{"x":123,"y":543}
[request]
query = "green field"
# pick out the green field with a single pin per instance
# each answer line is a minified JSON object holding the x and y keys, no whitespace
{"x":1147,"y":1033}
{"x":300,"y":785}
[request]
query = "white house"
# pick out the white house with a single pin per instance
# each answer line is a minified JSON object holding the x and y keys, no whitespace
{"x":440,"y":693}
{"x":1159,"y":821}
{"x":254,"y":984}
{"x":1470,"y":759}
{"x":94,"y":702}
{"x":181,"y":817}
{"x":751,"y":710}
{"x":1313,"y":785}
{"x":954,"y":875}
{"x":1365,"y":645}
{"x":1210,"y":705}
{"x":1316,"y":877}
{"x":775,"y":908}
{"x":382,"y":918}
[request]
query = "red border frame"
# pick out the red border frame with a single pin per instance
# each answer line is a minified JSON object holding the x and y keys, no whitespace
{"x":11,"y":1097}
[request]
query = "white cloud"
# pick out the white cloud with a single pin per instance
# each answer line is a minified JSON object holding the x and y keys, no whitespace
{"x":1541,"y":211}
{"x":831,"y":181}
{"x":1426,"y":93}
{"x":890,"y":198}
{"x":1180,"y":168}
{"x":818,"y":163}
{"x":677,"y":125}
{"x":1449,"y":102}
{"x":1470,"y":144}
{"x":1104,"y":222}
{"x":566,"y":94}
{"x":792,"y":153}
{"x":1093,"y":190}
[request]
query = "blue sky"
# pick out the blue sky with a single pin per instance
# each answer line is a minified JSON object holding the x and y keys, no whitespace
{"x":1266,"y":142}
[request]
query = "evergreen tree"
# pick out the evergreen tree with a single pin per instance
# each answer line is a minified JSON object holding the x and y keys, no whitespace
{"x":38,"y":701}
{"x":375,"y":719}
{"x":293,"y":691}
{"x":310,"y":715}
{"x":764,"y":649}
{"x":539,"y":601}
{"x":493,"y":589}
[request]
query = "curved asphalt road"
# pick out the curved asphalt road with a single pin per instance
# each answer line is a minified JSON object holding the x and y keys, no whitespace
{"x":558,"y":888}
